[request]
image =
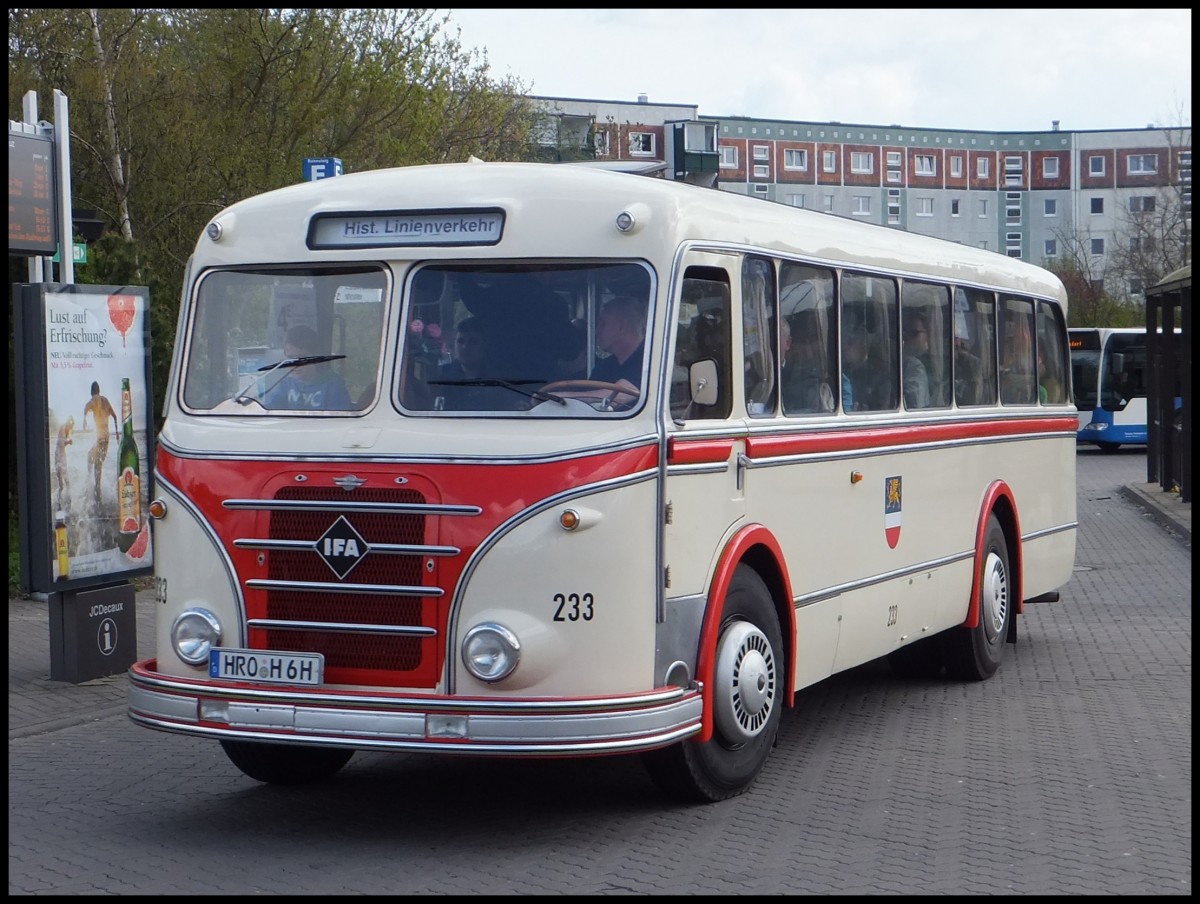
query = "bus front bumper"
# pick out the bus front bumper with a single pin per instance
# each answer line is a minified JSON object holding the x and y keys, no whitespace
{"x":336,"y":717}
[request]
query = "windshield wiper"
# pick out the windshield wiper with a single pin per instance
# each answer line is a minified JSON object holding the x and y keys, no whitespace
{"x":537,"y":394}
{"x":242,"y":398}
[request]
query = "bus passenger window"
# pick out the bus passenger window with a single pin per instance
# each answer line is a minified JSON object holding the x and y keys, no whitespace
{"x":758,"y":336}
{"x":869,"y":343}
{"x":925,"y":364}
{"x":974,"y":348}
{"x":1052,"y":367}
{"x":703,"y":334}
{"x":1017,"y":382}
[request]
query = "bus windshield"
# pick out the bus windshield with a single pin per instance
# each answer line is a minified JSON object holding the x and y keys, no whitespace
{"x":285,"y":340}
{"x":558,"y":339}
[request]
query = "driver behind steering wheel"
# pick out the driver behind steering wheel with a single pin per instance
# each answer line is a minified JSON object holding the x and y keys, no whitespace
{"x":621,"y":333}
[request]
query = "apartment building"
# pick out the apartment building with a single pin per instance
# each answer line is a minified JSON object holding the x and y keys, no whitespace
{"x":1032,"y":195}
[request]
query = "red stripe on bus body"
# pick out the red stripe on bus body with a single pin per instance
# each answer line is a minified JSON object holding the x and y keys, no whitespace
{"x":852,"y":439}
{"x":698,"y":451}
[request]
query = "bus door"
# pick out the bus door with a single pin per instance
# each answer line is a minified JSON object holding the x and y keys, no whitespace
{"x":703,"y":486}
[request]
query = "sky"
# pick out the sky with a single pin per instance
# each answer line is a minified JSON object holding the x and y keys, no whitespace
{"x":989,"y":70}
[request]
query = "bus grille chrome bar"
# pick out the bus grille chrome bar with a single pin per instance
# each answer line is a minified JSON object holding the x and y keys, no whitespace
{"x":332,"y":587}
{"x":279,"y":624}
{"x":348,"y":507}
{"x":387,"y":549}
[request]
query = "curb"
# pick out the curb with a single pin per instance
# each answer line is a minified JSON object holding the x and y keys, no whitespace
{"x":1163,"y":507}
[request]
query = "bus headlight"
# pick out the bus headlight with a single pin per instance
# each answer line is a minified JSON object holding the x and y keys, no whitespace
{"x":193,"y":634}
{"x":491,"y":651}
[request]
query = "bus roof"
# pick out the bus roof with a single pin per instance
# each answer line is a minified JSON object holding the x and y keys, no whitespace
{"x":537,"y":197}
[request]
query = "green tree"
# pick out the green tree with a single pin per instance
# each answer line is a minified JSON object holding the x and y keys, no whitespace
{"x":177,"y":113}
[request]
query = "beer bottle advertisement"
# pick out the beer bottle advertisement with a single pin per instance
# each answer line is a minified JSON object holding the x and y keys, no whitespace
{"x":129,"y":500}
{"x":100,"y":430}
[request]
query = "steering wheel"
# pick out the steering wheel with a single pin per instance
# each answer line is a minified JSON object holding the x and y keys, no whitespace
{"x":613,"y":389}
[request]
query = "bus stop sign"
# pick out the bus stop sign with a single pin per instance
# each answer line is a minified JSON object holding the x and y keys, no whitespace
{"x":321,"y":168}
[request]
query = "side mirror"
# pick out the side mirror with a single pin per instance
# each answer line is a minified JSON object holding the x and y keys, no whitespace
{"x":702,"y":379}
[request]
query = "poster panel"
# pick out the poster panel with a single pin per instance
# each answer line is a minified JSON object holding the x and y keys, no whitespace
{"x":87,"y":434}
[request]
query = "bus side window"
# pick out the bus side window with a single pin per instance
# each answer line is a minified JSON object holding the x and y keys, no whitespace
{"x":1018,"y":385}
{"x":974,"y":348}
{"x":870,"y":343}
{"x":703,"y":334}
{"x":1052,"y":367}
{"x":758,"y":336}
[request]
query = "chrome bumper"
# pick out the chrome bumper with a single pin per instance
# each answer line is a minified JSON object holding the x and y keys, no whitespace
{"x":483,"y":726}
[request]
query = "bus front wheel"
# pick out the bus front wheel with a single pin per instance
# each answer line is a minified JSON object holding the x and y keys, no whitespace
{"x":747,"y":699}
{"x":285,"y":764}
{"x":973,"y":654}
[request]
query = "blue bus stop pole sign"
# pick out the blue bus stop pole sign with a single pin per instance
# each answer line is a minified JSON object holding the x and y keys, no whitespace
{"x":321,"y":168}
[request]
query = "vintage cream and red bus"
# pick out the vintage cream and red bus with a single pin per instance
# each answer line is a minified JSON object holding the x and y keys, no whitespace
{"x":543,"y":460}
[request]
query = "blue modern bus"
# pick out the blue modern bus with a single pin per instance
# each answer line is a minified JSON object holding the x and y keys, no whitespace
{"x":1108,"y":379}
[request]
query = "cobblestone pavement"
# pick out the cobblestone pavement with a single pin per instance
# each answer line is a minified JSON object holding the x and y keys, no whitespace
{"x":1067,"y":773}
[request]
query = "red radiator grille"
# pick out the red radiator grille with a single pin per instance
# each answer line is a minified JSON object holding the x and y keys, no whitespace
{"x":354,"y":658}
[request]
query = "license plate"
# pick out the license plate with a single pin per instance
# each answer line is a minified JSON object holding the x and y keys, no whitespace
{"x":265,"y":665}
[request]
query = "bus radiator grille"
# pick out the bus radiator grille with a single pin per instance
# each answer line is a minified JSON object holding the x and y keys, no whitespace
{"x":373,"y":659}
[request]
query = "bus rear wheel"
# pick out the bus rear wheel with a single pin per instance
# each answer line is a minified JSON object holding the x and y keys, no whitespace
{"x":973,"y":654}
{"x":747,"y":701}
{"x":286,"y":764}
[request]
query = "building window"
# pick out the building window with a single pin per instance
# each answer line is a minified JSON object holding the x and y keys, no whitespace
{"x":827,"y":203}
{"x":1141,"y":204}
{"x":729,"y":156}
{"x":1097,"y":246}
{"x":1013,"y":170}
{"x":641,"y":144}
{"x":983,"y":207}
{"x":1095,"y":166}
{"x":894,"y":161}
{"x":1051,"y":247}
{"x":1012,"y":244}
{"x":1097,"y":205}
{"x":956,"y":167}
{"x":829,"y":161}
{"x":1049,"y":167}
{"x":797,"y":200}
{"x":760,"y":190}
{"x":761,"y":171}
{"x":861,"y":205}
{"x":981,"y":168}
{"x":954,"y":207}
{"x":861,"y":162}
{"x":1012,"y":207}
{"x":795,"y":159}
{"x":925,"y":165}
{"x":601,"y":140}
{"x":762,"y":152}
{"x":893,"y":207}
{"x":1143,"y":164}
{"x":1136,"y":287}
{"x":1050,"y":207}
{"x":924,"y":207}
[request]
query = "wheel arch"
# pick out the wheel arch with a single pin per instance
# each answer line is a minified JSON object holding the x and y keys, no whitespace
{"x":1000,"y":501}
{"x":756,"y":547}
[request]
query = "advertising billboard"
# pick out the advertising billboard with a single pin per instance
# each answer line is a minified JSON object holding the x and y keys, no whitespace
{"x":85,"y":433}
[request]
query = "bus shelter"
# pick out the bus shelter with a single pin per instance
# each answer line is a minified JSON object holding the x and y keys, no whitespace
{"x":1169,"y":388}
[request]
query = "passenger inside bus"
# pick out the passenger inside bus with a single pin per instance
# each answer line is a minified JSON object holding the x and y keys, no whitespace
{"x":916,"y":346}
{"x":469,"y":363}
{"x":806,"y":367}
{"x":309,"y":386}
